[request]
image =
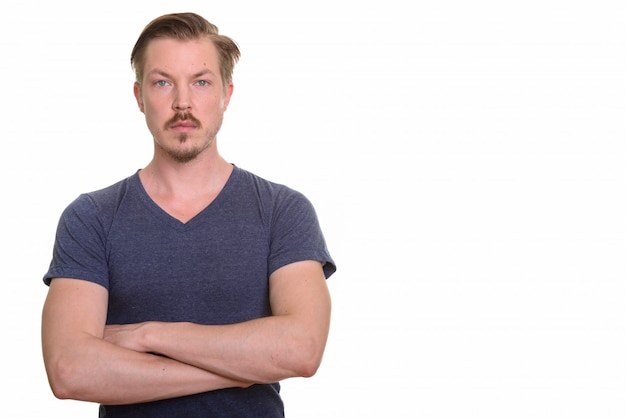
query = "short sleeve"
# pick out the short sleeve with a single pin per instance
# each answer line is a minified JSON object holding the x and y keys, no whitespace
{"x":80,"y":244}
{"x":296,"y":234}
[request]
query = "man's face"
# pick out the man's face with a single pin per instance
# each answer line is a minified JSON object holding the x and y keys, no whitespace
{"x":182,"y":96}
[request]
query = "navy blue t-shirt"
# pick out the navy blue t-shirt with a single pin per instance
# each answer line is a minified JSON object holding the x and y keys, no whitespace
{"x":213,"y":269}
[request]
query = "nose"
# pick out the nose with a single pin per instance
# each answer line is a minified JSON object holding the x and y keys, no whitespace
{"x":182,"y":99}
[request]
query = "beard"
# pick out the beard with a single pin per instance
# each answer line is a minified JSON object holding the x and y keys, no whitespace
{"x":184,"y":155}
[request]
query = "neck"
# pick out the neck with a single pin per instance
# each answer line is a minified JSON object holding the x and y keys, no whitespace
{"x":206,"y":174}
{"x":184,"y":189}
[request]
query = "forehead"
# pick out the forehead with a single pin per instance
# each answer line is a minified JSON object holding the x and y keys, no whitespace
{"x":181,"y":56}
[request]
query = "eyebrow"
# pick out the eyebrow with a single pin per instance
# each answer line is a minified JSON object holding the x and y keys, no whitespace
{"x":167,"y":75}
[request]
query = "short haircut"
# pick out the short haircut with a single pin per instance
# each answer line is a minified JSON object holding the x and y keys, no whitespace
{"x":186,"y":26}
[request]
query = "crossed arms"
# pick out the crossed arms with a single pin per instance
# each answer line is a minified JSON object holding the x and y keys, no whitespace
{"x":123,"y":364}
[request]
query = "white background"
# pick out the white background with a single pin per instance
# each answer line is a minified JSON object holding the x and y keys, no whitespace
{"x":466,"y":158}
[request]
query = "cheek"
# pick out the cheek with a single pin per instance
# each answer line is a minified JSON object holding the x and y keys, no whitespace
{"x":152,"y":108}
{"x":154,"y":119}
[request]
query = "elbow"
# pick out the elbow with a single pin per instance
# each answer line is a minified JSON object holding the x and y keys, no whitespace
{"x":63,"y":378}
{"x":308,"y":369}
{"x":59,"y":391}
{"x":308,"y":358}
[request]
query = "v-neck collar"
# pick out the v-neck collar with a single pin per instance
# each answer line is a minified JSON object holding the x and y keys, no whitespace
{"x":170,"y":220}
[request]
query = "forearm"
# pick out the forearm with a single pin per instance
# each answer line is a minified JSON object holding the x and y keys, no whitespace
{"x":104,"y":373}
{"x":263,"y":350}
{"x":290,"y":343}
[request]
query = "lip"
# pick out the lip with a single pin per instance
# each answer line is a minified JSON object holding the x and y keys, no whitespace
{"x":183,"y":126}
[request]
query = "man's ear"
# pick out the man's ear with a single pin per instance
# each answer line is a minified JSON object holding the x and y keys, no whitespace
{"x":228,"y":94}
{"x":137,"y":93}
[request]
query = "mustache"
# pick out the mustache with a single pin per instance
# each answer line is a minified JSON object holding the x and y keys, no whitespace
{"x":183,"y":116}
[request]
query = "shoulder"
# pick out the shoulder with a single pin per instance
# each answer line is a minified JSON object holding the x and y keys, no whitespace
{"x":112,"y":193}
{"x":275,"y":200}
{"x":266,"y":189}
{"x":100,"y":202}
{"x":281,"y":203}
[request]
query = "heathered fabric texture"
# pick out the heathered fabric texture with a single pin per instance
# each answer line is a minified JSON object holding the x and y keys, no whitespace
{"x":213,"y":269}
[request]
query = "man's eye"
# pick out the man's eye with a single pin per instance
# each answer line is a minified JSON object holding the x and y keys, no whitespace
{"x":161,"y":83}
{"x":202,"y":83}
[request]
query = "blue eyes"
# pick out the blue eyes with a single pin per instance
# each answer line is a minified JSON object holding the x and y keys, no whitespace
{"x":199,"y":83}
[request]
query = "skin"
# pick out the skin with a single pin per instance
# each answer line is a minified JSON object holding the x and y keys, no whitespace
{"x":88,"y":360}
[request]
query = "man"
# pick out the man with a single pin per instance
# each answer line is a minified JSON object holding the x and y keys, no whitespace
{"x":192,"y":287}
